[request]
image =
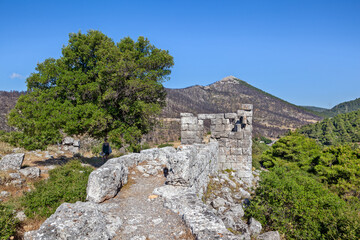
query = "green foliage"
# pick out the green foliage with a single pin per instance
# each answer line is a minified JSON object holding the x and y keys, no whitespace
{"x":294,"y":150}
{"x":65,"y":184}
{"x":96,"y":87}
{"x":257,"y":150}
{"x":336,"y":166}
{"x":8,"y":222}
{"x":343,"y":128}
{"x":165,"y":145}
{"x":295,"y":204}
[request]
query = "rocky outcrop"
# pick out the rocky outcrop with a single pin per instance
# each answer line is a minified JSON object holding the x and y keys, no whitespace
{"x":87,"y":221}
{"x":12,"y":161}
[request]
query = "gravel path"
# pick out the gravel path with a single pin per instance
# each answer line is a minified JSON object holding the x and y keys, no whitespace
{"x":143,"y":214}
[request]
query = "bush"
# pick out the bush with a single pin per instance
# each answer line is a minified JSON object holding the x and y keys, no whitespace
{"x":65,"y":184}
{"x":297,"y":205}
{"x":257,"y":150}
{"x":8,"y":222}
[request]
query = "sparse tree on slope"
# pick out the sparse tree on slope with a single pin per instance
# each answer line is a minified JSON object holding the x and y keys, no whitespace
{"x":96,"y":87}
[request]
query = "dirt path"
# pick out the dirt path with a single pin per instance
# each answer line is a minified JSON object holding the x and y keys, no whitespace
{"x":145,"y":218}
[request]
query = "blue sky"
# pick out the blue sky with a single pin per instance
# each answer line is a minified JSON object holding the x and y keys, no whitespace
{"x":305,"y":52}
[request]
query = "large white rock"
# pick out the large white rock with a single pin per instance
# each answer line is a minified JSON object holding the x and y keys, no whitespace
{"x":12,"y":161}
{"x":31,"y":172}
{"x":273,"y":235}
{"x":105,"y":182}
{"x":81,"y":220}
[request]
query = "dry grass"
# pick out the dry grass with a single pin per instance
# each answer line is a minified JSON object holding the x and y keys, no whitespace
{"x":5,"y":148}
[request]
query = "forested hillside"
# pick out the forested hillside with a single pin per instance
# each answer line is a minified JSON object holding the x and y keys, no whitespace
{"x":343,"y":128}
{"x":344,"y":107}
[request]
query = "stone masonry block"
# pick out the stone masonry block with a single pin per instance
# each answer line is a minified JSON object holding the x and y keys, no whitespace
{"x":184,"y":127}
{"x":206,"y":116}
{"x":186,"y":115}
{"x":230,"y":115}
{"x":188,"y":134}
{"x":201,"y":122}
{"x":240,"y":113}
{"x":225,"y":121}
{"x":244,"y":143}
{"x":236,"y":151}
{"x":189,"y":120}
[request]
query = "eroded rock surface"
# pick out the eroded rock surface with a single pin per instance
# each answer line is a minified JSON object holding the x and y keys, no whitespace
{"x":12,"y":161}
{"x":81,"y":220}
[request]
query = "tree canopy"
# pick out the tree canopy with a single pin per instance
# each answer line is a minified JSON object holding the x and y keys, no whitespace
{"x":97,"y":87}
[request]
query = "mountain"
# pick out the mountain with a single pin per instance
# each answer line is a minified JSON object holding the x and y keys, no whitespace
{"x":344,"y":107}
{"x":7,"y":102}
{"x":272,"y":116}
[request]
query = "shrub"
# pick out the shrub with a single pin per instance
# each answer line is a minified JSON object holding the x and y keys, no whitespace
{"x":300,"y":207}
{"x":257,"y":150}
{"x":65,"y":184}
{"x":8,"y":222}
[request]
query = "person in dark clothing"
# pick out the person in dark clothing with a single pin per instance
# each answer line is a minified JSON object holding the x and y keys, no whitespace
{"x":106,"y":150}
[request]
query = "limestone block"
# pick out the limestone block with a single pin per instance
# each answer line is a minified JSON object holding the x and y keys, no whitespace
{"x":236,"y":151}
{"x":247,"y":107}
{"x":240,"y":113}
{"x":189,"y":134}
{"x":219,"y":128}
{"x":192,"y":127}
{"x":231,"y":143}
{"x":244,"y":143}
{"x":230,"y":115}
{"x":246,"y":151}
{"x":254,"y":227}
{"x":80,"y":220}
{"x":12,"y":161}
{"x":200,"y":122}
{"x":248,"y":114}
{"x":189,"y":120}
{"x":31,"y":172}
{"x":186,"y":115}
{"x":76,"y":143}
{"x":273,"y":235}
{"x":222,"y":158}
{"x":184,"y":127}
{"x":105,"y":182}
{"x":68,"y":141}
{"x":225,"y":121}
{"x":249,"y":120}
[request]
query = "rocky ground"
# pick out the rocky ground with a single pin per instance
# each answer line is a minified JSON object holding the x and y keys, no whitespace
{"x":143,"y":214}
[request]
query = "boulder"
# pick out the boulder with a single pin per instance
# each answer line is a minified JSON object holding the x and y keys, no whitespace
{"x":105,"y":182}
{"x":273,"y":235}
{"x":68,"y":141}
{"x":254,"y":227}
{"x":31,"y":172}
{"x":76,"y":143}
{"x":80,"y":220}
{"x":12,"y":161}
{"x":14,"y":175}
{"x":218,"y":202}
{"x":21,"y":216}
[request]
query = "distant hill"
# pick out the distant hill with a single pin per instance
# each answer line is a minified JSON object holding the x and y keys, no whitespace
{"x":344,"y":107}
{"x":341,"y":129}
{"x":7,"y":102}
{"x":272,"y":116}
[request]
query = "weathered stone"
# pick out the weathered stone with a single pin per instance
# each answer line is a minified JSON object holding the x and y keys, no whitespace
{"x":76,"y":143}
{"x":18,"y":182}
{"x":237,"y":211}
{"x":21,"y":216}
{"x":105,"y":182}
{"x":218,"y":202}
{"x":81,"y":220}
{"x":230,"y":115}
{"x":4,"y":194}
{"x":273,"y":235}
{"x":254,"y":227}
{"x":186,"y":115}
{"x":12,"y":161}
{"x":68,"y":141}
{"x":14,"y":175}
{"x":31,"y":172}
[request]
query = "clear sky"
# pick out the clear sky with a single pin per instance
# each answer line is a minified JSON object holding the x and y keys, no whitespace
{"x":305,"y":52}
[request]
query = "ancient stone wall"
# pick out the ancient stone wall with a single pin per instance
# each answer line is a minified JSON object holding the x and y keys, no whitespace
{"x":233,"y":132}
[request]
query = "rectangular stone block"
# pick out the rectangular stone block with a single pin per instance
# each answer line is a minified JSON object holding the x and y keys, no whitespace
{"x":236,"y":151}
{"x":240,"y":113}
{"x":189,"y":120}
{"x":186,"y":115}
{"x":231,"y":143}
{"x":230,"y":115}
{"x":246,"y":151}
{"x":249,"y":120}
{"x":201,"y":122}
{"x":189,"y":134}
{"x":219,"y":128}
{"x":184,"y":127}
{"x":244,"y":143}
{"x":225,"y":121}
{"x":248,"y":113}
{"x":192,"y":127}
{"x":247,"y":135}
{"x":206,"y":116}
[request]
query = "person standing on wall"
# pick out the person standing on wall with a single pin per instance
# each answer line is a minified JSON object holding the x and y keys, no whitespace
{"x":106,"y":150}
